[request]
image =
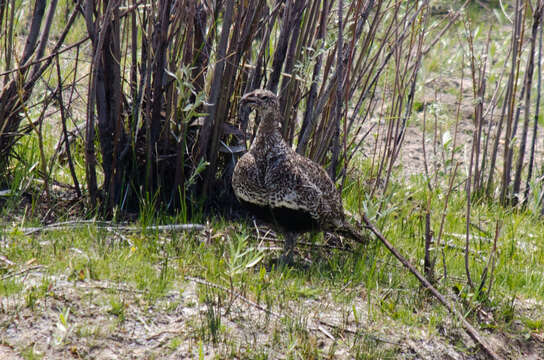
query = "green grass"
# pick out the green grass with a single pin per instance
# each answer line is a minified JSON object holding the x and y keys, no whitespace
{"x":368,"y":285}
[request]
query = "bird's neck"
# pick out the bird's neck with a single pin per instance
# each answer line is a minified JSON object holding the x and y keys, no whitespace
{"x":268,"y":133}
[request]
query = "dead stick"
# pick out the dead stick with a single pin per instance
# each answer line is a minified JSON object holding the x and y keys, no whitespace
{"x":24,"y":271}
{"x":72,"y":225}
{"x":469,"y":328}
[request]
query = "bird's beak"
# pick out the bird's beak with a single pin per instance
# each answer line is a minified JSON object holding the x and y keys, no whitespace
{"x":248,"y":99}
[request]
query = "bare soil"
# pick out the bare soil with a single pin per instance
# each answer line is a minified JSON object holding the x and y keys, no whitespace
{"x":168,"y":327}
{"x":414,"y":153}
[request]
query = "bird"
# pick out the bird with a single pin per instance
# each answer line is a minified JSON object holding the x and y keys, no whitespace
{"x":289,"y":191}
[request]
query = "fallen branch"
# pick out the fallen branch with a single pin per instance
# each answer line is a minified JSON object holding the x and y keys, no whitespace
{"x":111,"y":227}
{"x":32,"y":268}
{"x":5,"y":260}
{"x":469,"y":328}
{"x":112,"y":288}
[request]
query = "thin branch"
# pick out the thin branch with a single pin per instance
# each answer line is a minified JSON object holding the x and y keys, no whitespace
{"x":24,"y":271}
{"x":468,"y":327}
{"x":78,"y":224}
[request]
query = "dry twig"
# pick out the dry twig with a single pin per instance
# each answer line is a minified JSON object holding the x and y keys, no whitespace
{"x":468,"y":327}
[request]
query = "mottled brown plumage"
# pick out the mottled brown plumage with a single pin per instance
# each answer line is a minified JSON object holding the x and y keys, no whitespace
{"x":290,"y":191}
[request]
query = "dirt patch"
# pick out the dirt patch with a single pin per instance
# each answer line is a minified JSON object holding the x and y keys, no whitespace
{"x":433,"y":144}
{"x":103,"y":320}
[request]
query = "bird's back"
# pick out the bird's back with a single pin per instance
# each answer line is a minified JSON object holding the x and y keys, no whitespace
{"x":285,"y":188}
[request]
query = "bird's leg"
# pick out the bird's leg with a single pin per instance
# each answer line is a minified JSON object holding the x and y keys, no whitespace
{"x":288,"y":248}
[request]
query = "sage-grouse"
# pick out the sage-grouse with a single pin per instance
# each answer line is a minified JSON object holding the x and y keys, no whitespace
{"x":291,"y":192}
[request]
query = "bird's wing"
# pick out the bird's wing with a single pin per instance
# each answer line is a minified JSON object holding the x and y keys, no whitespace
{"x":329,"y":205}
{"x":300,"y":184}
{"x":247,"y":181}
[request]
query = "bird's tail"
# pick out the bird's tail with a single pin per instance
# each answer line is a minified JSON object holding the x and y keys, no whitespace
{"x":348,"y":230}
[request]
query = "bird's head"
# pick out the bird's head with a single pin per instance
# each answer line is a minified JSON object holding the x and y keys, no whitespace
{"x":265,"y":102}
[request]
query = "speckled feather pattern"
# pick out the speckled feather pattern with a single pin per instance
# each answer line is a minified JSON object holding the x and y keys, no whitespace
{"x":272,"y":175}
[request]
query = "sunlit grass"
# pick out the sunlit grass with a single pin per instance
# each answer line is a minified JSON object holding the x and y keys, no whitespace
{"x":158,"y":263}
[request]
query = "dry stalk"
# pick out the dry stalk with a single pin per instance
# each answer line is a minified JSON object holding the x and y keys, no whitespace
{"x":468,"y":327}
